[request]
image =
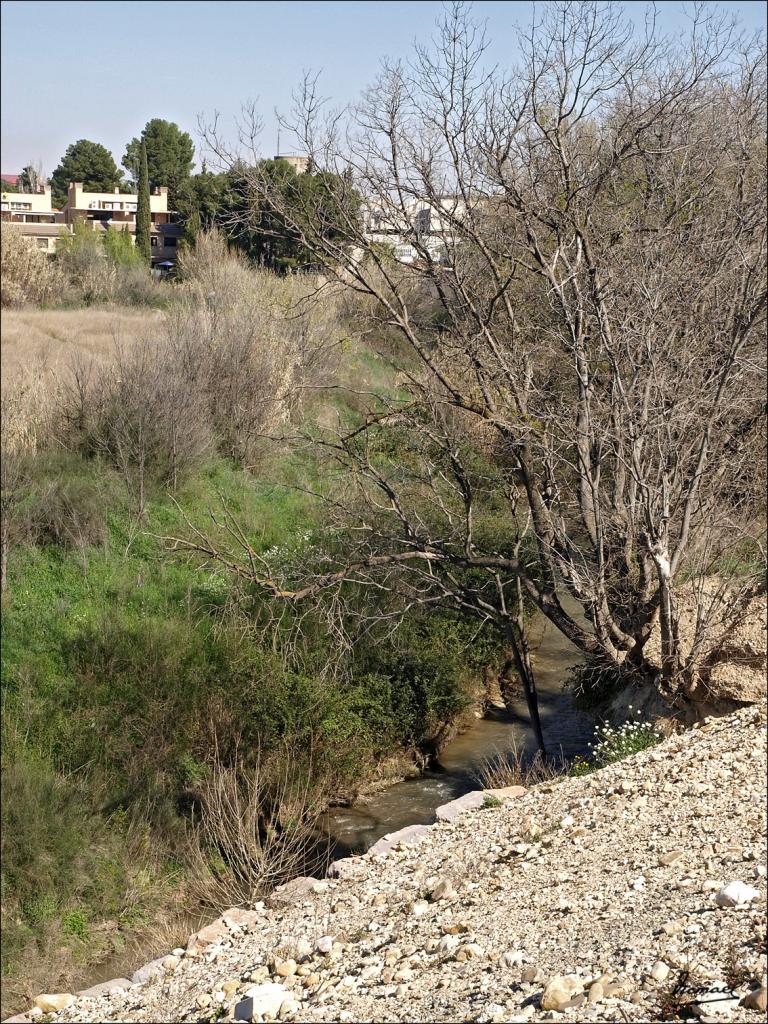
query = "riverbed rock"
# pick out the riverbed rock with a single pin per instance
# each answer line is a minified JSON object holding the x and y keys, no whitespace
{"x":660,"y":971}
{"x":53,"y":1002}
{"x":462,"y":805}
{"x":407,"y":836}
{"x":295,"y":891}
{"x":105,"y":987}
{"x":506,"y":793}
{"x":757,"y":999}
{"x":213,"y":932}
{"x":237,"y":918}
{"x":560,"y":990}
{"x":736,"y":894}
{"x":347,"y":869}
{"x":150,"y":970}
{"x":443,"y":890}
{"x":261,"y":1000}
{"x":716,"y":1003}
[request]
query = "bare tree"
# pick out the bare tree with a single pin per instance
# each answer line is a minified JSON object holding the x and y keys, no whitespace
{"x":586,"y":309}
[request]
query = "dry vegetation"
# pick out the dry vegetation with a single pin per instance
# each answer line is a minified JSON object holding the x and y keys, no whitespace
{"x":45,"y":340}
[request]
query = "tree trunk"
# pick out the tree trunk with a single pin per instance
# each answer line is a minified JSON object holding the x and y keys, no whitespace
{"x":524,"y":668}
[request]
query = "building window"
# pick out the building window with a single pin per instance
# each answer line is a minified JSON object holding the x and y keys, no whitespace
{"x":21,"y":206}
{"x":42,"y":243}
{"x":153,"y":241}
{"x":171,"y":242}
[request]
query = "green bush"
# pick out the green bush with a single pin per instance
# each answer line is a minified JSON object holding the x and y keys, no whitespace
{"x":616,"y":743}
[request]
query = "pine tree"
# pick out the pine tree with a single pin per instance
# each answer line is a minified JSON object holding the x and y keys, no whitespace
{"x":143,"y":218}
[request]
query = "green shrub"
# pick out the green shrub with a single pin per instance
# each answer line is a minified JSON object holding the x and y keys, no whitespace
{"x":616,"y":743}
{"x":75,"y":924}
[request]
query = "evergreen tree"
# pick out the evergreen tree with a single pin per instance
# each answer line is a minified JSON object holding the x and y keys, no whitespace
{"x":170,"y":155}
{"x":88,"y":162}
{"x":143,"y":218}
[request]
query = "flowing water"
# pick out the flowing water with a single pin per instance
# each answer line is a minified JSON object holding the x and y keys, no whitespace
{"x":414,"y":801}
{"x":566,"y":731}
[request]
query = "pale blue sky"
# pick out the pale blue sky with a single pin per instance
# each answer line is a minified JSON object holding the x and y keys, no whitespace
{"x":101,"y":70}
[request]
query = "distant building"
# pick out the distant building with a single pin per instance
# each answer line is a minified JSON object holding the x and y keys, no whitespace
{"x":11,"y":179}
{"x":300,"y":164}
{"x":118,"y":210}
{"x":35,"y":217}
{"x":423,"y":227}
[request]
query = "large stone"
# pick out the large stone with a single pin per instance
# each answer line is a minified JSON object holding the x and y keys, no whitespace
{"x":408,"y":836}
{"x":444,"y":890}
{"x":105,"y":987}
{"x":295,"y":891}
{"x":213,"y":932}
{"x":260,"y":1000}
{"x":462,"y":805}
{"x":506,"y":793}
{"x":660,"y":971}
{"x":236,"y":918}
{"x":560,"y":990}
{"x":54,"y":1002}
{"x":347,"y":869}
{"x":716,"y":1004}
{"x":757,"y":999}
{"x":736,"y":894}
{"x":148,"y":971}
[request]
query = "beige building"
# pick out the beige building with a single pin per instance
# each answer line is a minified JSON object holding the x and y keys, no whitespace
{"x":27,"y":207}
{"x":300,"y":164}
{"x":35,"y":217}
{"x":118,"y":210}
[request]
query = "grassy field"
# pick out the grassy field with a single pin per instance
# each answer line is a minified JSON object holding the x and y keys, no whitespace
{"x":44,"y":340}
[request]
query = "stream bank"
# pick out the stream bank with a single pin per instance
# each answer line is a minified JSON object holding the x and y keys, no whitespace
{"x":412,"y":801}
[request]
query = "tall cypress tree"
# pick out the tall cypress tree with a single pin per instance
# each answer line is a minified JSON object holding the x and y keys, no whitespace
{"x":143,"y":218}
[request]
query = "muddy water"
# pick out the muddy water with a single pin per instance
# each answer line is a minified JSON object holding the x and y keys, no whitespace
{"x":413,"y":801}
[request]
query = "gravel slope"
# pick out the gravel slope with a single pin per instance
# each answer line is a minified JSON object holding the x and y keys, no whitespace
{"x":614,"y":876}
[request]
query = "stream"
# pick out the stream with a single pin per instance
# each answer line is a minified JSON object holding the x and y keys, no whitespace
{"x":413,"y":801}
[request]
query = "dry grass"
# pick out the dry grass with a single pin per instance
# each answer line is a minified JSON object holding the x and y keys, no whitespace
{"x":514,"y":768}
{"x":44,"y":340}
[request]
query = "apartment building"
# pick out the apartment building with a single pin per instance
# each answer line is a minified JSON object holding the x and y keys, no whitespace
{"x":36,"y":219}
{"x":416,"y":227}
{"x":118,"y":210}
{"x":299,"y":163}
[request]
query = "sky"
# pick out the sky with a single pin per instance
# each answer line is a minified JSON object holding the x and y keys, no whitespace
{"x":100,"y":70}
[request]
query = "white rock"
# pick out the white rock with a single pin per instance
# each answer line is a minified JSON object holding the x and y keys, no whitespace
{"x":736,"y":894}
{"x":560,"y":990}
{"x":53,"y":1002}
{"x":716,"y":1004}
{"x":511,"y":958}
{"x":659,"y":971}
{"x":263,"y":1000}
{"x":324,"y":944}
